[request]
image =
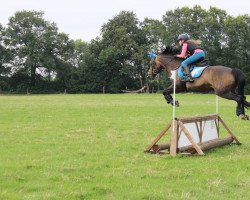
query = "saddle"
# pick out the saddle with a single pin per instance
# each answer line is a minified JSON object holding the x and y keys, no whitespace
{"x":196,"y":69}
{"x":199,"y":63}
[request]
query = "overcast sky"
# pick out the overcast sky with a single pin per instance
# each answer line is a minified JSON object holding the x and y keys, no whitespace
{"x":82,"y":19}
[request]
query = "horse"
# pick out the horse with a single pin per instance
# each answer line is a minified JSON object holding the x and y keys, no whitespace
{"x":225,"y":82}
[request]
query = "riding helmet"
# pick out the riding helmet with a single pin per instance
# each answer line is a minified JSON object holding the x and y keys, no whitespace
{"x":183,"y":36}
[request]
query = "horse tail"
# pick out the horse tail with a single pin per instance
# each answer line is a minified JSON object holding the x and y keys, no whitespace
{"x":240,"y":79}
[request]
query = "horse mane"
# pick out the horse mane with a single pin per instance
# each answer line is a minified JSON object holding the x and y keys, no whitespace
{"x":169,"y":50}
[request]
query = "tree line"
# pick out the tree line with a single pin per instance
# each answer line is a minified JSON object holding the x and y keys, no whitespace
{"x":35,"y":57}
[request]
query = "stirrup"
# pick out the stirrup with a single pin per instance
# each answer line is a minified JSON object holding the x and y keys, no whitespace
{"x":190,"y":80}
{"x":187,"y":79}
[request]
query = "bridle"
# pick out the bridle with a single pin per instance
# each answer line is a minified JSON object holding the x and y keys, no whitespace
{"x":164,"y":66}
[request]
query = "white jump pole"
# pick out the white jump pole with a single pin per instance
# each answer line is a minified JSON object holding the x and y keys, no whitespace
{"x":173,"y":146}
{"x":217,"y":104}
{"x":174,"y":84}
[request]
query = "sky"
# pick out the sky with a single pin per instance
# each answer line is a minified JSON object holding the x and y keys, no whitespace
{"x":83,"y":19}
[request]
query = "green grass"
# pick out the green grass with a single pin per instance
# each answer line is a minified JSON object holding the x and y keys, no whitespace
{"x":91,"y":147}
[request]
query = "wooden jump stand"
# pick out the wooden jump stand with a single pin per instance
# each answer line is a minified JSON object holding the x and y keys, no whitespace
{"x":193,"y":142}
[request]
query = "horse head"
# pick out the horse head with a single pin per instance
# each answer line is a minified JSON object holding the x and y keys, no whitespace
{"x":154,"y":68}
{"x":165,"y":60}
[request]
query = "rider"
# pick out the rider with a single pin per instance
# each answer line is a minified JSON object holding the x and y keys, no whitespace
{"x":189,"y":48}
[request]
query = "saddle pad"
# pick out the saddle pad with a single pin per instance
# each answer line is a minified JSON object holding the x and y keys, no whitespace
{"x":195,"y":73}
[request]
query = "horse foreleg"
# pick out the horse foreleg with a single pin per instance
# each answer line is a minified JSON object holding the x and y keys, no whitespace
{"x":167,"y":94}
{"x":168,"y":97}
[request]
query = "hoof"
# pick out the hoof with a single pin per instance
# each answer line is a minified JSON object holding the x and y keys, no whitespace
{"x":176,"y":103}
{"x":244,"y":117}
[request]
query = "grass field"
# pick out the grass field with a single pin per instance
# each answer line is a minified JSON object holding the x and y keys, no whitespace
{"x":91,"y":147}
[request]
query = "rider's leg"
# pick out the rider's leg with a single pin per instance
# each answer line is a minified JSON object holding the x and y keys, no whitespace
{"x":185,"y":64}
{"x":195,"y":57}
{"x":187,"y":73}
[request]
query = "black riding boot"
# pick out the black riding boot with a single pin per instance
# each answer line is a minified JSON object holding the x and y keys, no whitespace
{"x":187,"y":73}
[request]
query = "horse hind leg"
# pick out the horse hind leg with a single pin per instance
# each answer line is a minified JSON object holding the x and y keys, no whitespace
{"x":241,"y":81}
{"x":240,"y":110}
{"x":246,"y":103}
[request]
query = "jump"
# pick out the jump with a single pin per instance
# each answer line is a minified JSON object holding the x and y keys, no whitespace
{"x":225,"y":82}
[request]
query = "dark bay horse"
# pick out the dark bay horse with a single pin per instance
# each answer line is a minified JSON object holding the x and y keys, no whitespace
{"x":225,"y":82}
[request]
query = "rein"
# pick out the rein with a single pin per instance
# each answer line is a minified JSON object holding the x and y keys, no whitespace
{"x":171,"y":75}
{"x":165,"y":65}
{"x":166,"y":68}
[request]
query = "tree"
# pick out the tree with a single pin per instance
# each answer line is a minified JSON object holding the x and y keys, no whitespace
{"x":33,"y":54}
{"x":224,"y":38}
{"x":155,"y":33}
{"x":57,"y":56}
{"x":5,"y":56}
{"x":79,"y":53}
{"x":23,"y":33}
{"x":121,"y":53}
{"x":189,"y":20}
{"x":236,"y":52}
{"x":36,"y":44}
{"x":213,"y":36}
{"x":207,"y":26}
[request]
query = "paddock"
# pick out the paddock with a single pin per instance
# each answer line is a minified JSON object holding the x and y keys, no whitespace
{"x":91,"y":147}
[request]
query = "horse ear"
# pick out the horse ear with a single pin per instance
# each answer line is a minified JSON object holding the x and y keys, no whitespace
{"x":167,"y":50}
{"x":175,"y":50}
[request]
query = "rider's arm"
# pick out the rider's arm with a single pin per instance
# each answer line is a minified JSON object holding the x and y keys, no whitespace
{"x":183,"y":51}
